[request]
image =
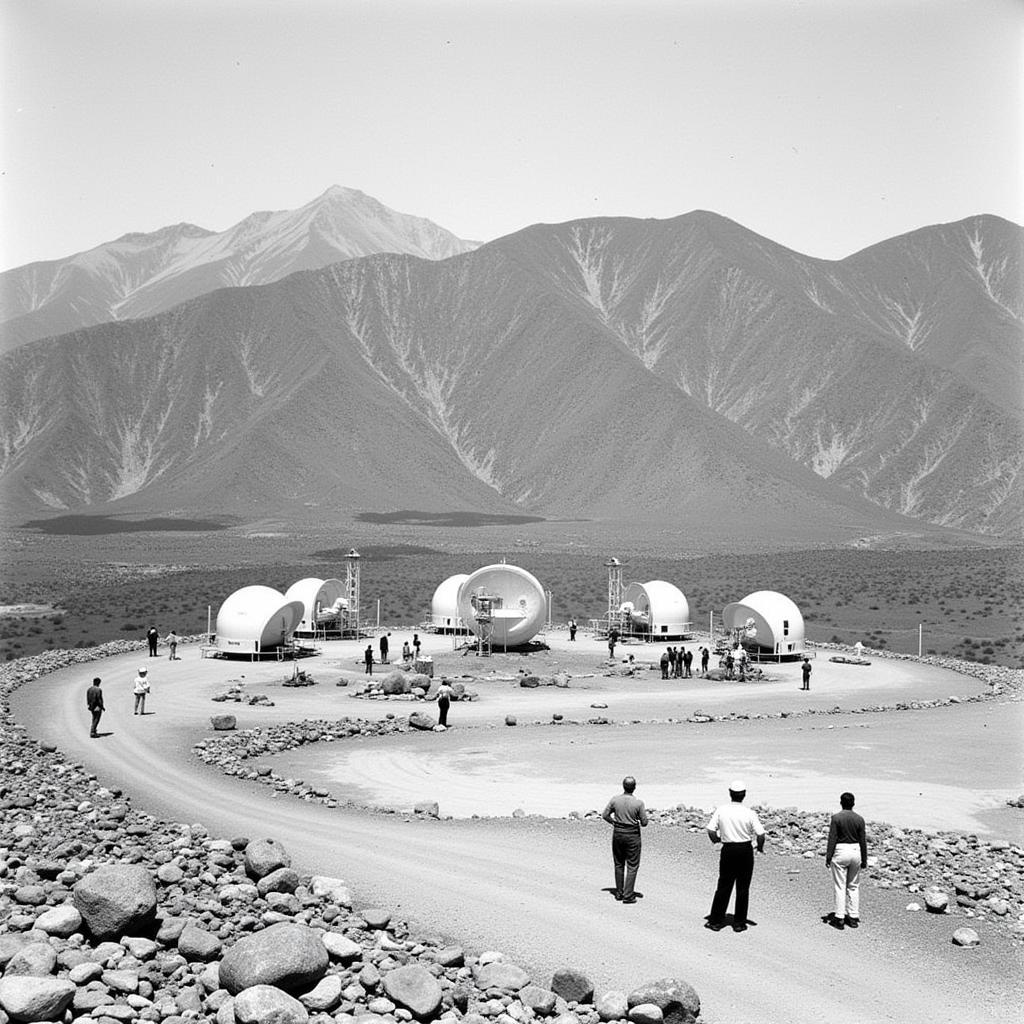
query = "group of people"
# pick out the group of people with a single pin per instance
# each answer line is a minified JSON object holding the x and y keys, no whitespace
{"x":678,"y":663}
{"x":739,"y":831}
{"x":409,"y":653}
{"x":94,"y":699}
{"x":153,"y":638}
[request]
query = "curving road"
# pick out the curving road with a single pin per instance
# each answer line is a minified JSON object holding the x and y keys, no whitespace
{"x":535,"y":888}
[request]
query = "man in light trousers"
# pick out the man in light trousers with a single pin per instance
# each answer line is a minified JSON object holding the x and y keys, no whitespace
{"x":846,"y":853}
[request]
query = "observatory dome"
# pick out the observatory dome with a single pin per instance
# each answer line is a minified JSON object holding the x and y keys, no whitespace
{"x":770,"y":620}
{"x":657,"y":608}
{"x":519,"y":607}
{"x":322,"y":601}
{"x":444,"y":605}
{"x":256,"y":619}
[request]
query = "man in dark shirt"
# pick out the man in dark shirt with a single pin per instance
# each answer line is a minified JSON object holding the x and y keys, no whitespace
{"x":627,"y":815}
{"x":846,"y":854}
{"x":94,"y":702}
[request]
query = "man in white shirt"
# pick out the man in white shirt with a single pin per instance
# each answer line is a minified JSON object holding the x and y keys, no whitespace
{"x":735,"y":827}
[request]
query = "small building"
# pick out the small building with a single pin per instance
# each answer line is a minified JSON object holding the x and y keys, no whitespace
{"x":256,"y":619}
{"x":323,"y":604}
{"x":505,"y":606}
{"x":767,"y":623}
{"x":444,"y":606}
{"x":656,"y":610}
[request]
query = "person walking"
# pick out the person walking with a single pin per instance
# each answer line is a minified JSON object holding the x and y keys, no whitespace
{"x":140,"y":690}
{"x":613,"y":639}
{"x":172,"y":642}
{"x":705,"y":656}
{"x":735,"y":827}
{"x":384,"y":648}
{"x":805,"y":669}
{"x":626,"y":814}
{"x":152,"y":638}
{"x":94,"y":702}
{"x":368,"y":659}
{"x":444,"y":699}
{"x":572,"y":629}
{"x":845,"y":855}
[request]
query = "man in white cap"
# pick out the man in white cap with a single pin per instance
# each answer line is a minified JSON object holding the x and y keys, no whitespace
{"x":735,"y":827}
{"x":140,"y":690}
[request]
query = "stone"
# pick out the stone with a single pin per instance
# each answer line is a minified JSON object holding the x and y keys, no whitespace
{"x":573,"y":986}
{"x":61,"y":921}
{"x":341,"y":947}
{"x":121,"y":981}
{"x":422,"y":721}
{"x":169,"y":874}
{"x":935,"y":901}
{"x":9,"y":945}
{"x":324,"y":997}
{"x":529,"y":682}
{"x":646,"y":1013}
{"x":510,"y":720}
{"x":34,"y":958}
{"x":140,"y":948}
{"x":427,"y":809}
{"x":376,"y":918}
{"x":415,"y":988}
{"x":263,"y":856}
{"x":449,"y":956}
{"x":117,"y":899}
{"x":197,"y":943}
{"x":540,"y":1000}
{"x":30,"y":895}
{"x":966,"y":937}
{"x":281,"y":880}
{"x":503,"y":975}
{"x":395,"y":683}
{"x":32,"y":999}
{"x":678,"y":1002}
{"x":223,"y":723}
{"x":612,"y":1006}
{"x":290,"y":956}
{"x":333,"y":889}
{"x":265,"y":1004}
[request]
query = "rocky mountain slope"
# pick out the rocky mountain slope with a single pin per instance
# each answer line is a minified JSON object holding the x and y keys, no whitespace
{"x":143,"y":274}
{"x":683,"y":370}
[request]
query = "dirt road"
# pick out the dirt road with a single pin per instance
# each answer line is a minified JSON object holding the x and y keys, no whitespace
{"x":535,"y":888}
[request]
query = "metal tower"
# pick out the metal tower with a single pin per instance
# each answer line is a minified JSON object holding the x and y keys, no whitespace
{"x":352,"y":590}
{"x":614,"y":613}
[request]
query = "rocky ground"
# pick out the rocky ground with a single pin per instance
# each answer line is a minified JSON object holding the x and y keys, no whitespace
{"x":109,"y":914}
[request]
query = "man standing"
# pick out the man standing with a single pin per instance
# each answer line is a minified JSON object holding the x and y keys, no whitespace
{"x":444,"y":699}
{"x":666,"y":660}
{"x":687,"y":663}
{"x":572,"y":629}
{"x":140,"y":689}
{"x":627,"y":815}
{"x":705,"y":655}
{"x":846,"y":854}
{"x":368,"y":659}
{"x":734,"y":826}
{"x":94,"y":702}
{"x":152,"y":636}
{"x":805,"y":668}
{"x":613,"y":639}
{"x":384,"y":648}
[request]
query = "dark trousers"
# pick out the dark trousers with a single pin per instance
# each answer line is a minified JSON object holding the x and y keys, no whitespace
{"x":626,"y":857}
{"x":442,"y":711}
{"x":152,"y":648}
{"x":735,"y":867}
{"x":97,"y":714}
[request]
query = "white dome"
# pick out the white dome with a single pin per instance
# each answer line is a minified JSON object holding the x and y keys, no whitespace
{"x":256,"y":618}
{"x":520,"y":608}
{"x":317,"y":597}
{"x":444,"y":605}
{"x":770,"y":620}
{"x":658,"y":607}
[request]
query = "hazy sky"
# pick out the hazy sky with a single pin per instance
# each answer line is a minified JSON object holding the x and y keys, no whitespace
{"x":825,"y":124}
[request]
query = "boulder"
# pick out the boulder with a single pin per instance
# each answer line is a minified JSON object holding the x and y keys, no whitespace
{"x":936,"y":901}
{"x":263,"y":856}
{"x":197,"y":943}
{"x":376,"y":918}
{"x":573,"y":986}
{"x":223,"y":723}
{"x":341,"y":947}
{"x":264,"y":1004}
{"x":324,"y":997}
{"x":395,"y":683}
{"x":540,"y":1000}
{"x":116,"y":900}
{"x":678,"y":1002}
{"x":449,"y":956}
{"x":612,"y":1006}
{"x":290,"y":956}
{"x":510,"y":719}
{"x":10,"y":943}
{"x":966,"y":937}
{"x":500,"y":974}
{"x":414,"y":988}
{"x":334,"y":889}
{"x":646,"y":1013}
{"x":31,"y":999}
{"x":34,"y":958}
{"x":530,"y":682}
{"x":281,"y":880}
{"x":422,"y":721}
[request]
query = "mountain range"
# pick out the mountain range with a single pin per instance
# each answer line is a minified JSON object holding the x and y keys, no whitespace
{"x":683,"y":372}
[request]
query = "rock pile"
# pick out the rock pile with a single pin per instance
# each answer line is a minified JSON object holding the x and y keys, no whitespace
{"x":111,"y":916}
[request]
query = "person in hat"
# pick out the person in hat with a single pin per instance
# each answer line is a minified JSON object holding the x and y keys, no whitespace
{"x":735,"y":827}
{"x":140,"y":690}
{"x":627,"y":814}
